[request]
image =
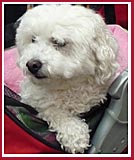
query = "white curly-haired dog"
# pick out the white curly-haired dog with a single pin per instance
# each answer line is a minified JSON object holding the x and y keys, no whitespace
{"x":69,"y":60}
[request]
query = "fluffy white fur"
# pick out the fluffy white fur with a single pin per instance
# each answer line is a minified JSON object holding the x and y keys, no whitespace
{"x":78,"y":72}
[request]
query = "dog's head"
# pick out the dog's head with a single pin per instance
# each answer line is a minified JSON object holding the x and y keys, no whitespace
{"x":64,"y":41}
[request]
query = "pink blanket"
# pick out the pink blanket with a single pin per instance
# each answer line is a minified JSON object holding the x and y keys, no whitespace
{"x":122,"y":37}
{"x":13,"y":75}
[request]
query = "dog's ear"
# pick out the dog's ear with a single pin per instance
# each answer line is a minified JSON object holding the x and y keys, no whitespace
{"x":105,"y":51}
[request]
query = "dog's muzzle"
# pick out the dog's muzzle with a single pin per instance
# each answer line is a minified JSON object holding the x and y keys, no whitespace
{"x":34,"y":66}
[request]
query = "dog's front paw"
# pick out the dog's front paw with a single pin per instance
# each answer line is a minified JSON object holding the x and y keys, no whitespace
{"x":74,"y":136}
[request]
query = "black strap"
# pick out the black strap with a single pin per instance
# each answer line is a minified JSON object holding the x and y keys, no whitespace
{"x":13,"y":99}
{"x":13,"y":102}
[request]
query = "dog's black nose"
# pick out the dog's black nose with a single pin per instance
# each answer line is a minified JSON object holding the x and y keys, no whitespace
{"x":34,"y":66}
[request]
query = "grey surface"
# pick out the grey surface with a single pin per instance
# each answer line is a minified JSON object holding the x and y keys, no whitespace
{"x":111,"y":135}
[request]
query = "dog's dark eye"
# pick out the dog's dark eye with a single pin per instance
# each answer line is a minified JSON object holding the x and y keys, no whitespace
{"x":61,"y":44}
{"x":58,"y":43}
{"x":33,"y":39}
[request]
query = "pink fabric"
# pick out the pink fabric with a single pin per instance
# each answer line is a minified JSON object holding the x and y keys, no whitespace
{"x":121,"y":36}
{"x":13,"y":75}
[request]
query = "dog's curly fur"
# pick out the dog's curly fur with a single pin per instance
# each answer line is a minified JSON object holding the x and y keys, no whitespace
{"x":78,"y":56}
